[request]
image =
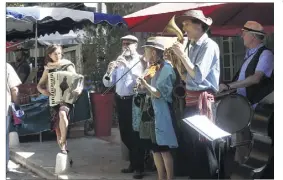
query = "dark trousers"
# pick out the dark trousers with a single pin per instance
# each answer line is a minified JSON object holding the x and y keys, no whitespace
{"x":199,"y":158}
{"x":128,"y":136}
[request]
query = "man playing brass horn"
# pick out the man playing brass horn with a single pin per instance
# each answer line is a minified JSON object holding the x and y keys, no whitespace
{"x":202,"y":73}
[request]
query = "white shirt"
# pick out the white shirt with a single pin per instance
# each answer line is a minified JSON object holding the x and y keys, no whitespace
{"x":124,"y":86}
{"x":13,"y":80}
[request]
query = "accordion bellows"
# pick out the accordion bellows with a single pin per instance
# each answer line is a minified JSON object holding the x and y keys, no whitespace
{"x":61,"y":85}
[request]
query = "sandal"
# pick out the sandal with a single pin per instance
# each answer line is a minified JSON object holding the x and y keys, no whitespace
{"x":64,"y":151}
{"x":61,"y":144}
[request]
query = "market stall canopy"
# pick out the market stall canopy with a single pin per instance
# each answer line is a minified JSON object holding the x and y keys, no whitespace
{"x":72,"y":37}
{"x":228,"y":18}
{"x":21,"y":21}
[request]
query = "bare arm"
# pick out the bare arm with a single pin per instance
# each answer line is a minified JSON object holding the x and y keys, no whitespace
{"x":41,"y":86}
{"x":249,"y":81}
{"x":14,"y":94}
{"x":13,"y":81}
{"x":152,"y":90}
{"x":264,"y":67}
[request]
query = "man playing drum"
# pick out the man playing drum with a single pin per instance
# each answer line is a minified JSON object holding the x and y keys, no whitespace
{"x":255,"y":78}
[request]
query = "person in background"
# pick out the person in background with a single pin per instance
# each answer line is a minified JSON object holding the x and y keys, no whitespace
{"x":88,"y":84}
{"x":22,"y":65}
{"x":13,"y":81}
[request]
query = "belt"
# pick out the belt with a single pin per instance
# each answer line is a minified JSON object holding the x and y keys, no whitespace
{"x":124,"y":97}
{"x":141,"y":94}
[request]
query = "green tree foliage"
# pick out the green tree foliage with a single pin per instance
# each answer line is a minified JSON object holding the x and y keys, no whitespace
{"x":101,"y":45}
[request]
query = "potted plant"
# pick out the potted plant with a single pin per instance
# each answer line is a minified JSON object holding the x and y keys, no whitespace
{"x":101,"y":46}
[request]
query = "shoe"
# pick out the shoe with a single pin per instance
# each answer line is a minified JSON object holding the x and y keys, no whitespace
{"x":138,"y":175}
{"x":127,"y":170}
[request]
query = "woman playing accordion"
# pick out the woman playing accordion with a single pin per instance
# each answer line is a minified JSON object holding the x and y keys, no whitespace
{"x":60,"y":112}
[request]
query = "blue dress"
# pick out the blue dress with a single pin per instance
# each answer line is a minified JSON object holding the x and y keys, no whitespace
{"x":164,"y":80}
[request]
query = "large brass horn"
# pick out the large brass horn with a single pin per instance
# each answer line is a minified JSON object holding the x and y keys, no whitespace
{"x":179,"y":91}
{"x":172,"y":27}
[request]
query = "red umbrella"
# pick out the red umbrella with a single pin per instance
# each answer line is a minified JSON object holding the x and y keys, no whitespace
{"x":228,"y":18}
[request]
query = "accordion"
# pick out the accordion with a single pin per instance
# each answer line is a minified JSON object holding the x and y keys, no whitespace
{"x":61,"y":86}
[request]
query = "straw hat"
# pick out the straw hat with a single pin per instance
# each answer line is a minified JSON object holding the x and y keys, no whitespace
{"x":198,"y":14}
{"x":253,"y":27}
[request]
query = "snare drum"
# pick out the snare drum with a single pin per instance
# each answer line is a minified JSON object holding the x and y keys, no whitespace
{"x":233,"y":113}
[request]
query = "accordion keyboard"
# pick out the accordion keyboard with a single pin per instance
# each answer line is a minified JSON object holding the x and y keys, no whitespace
{"x":51,"y":80}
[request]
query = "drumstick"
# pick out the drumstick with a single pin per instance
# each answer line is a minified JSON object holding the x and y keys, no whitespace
{"x":224,"y":93}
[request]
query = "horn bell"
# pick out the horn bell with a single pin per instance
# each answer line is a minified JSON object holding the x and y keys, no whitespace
{"x":172,"y":27}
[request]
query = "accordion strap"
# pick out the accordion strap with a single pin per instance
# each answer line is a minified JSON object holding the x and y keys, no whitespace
{"x":65,"y":67}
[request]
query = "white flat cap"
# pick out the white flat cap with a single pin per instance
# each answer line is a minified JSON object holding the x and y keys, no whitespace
{"x":130,"y":37}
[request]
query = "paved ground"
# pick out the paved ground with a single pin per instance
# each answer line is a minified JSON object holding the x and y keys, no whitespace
{"x":93,"y":158}
{"x":16,"y":171}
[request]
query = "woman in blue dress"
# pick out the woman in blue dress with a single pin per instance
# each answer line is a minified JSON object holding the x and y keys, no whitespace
{"x":161,"y":88}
